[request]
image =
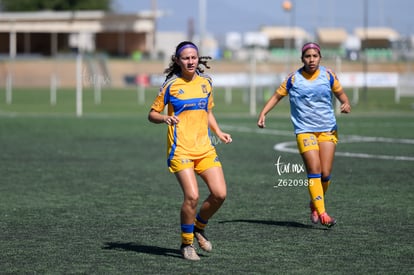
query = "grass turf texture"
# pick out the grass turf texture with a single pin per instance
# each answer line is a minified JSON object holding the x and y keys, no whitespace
{"x":93,"y":195}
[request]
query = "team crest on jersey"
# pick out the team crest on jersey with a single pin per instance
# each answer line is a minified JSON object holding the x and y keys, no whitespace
{"x":181,"y":91}
{"x":204,"y":88}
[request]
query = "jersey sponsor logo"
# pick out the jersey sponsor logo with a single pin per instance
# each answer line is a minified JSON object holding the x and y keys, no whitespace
{"x":202,"y":103}
{"x":187,"y":105}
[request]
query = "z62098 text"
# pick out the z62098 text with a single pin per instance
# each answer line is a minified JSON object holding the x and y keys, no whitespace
{"x":291,"y":183}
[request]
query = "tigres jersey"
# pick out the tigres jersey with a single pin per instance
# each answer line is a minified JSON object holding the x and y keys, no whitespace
{"x":190,"y":102}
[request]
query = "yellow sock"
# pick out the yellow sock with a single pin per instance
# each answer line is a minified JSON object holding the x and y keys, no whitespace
{"x":316,"y":192}
{"x":200,"y":223}
{"x":187,"y":238}
{"x":187,"y":235}
{"x":326,"y":181}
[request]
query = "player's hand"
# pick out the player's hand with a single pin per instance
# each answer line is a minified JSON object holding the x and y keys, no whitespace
{"x":345,"y":108}
{"x":171,"y":120}
{"x":226,"y":138}
{"x":261,"y":122}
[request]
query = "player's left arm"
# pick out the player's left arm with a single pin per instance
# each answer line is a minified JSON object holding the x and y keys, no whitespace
{"x":343,"y":98}
{"x":340,"y":94}
{"x":212,"y":123}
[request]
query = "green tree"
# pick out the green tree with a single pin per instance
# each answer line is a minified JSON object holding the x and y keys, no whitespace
{"x":56,"y":5}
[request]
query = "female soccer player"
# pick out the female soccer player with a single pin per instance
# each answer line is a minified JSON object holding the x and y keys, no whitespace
{"x":310,"y":91}
{"x":188,"y":94}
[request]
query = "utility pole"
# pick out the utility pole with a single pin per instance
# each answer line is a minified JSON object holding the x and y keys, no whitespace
{"x":202,"y":14}
{"x":365,"y":57}
{"x":154,"y":8}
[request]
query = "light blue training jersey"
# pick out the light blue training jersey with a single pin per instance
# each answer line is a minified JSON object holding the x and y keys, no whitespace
{"x":311,"y":103}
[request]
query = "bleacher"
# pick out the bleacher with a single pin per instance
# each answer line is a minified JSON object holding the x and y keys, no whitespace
{"x":281,"y":54}
{"x":378,"y":54}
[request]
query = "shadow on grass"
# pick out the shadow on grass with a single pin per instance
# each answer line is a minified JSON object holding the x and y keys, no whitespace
{"x":148,"y":249}
{"x":277,"y":223}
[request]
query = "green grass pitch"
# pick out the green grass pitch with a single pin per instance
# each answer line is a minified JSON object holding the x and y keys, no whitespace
{"x":92,"y":195}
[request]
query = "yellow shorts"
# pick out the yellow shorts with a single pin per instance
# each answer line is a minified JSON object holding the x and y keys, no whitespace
{"x":199,"y":165}
{"x":310,"y":141}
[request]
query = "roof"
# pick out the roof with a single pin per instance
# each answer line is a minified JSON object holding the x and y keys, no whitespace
{"x":79,"y":21}
{"x":284,"y":32}
{"x":376,"y":33}
{"x":331,"y":35}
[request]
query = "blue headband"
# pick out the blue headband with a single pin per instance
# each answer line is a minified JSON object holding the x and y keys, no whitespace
{"x":185,"y":46}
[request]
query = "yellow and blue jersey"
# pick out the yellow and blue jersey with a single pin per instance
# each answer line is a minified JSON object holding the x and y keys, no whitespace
{"x":190,"y":101}
{"x":310,"y":99}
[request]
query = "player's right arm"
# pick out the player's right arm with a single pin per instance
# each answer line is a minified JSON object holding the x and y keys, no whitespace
{"x":157,"y":107}
{"x":272,"y":102}
{"x":156,"y":117}
{"x":280,"y":93}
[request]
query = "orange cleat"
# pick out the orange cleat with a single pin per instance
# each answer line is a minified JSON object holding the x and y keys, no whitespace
{"x":326,"y":220}
{"x":314,"y":216}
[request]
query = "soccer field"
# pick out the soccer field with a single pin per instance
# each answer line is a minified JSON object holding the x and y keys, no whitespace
{"x":92,"y":195}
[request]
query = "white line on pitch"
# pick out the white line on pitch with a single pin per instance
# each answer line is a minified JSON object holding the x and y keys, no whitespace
{"x":285,"y":146}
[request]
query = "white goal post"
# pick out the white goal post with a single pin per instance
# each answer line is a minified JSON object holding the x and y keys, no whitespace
{"x":405,"y":87}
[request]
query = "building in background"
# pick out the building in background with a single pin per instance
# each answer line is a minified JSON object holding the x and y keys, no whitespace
{"x":332,"y":41}
{"x":48,"y":33}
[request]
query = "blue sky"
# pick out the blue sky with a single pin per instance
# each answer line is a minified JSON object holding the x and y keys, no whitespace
{"x":246,"y":15}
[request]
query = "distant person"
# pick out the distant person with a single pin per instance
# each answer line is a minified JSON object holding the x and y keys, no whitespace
{"x":190,"y":150}
{"x":310,"y":91}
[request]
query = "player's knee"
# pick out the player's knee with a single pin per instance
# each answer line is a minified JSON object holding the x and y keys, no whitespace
{"x":219,"y":197}
{"x":192,"y":200}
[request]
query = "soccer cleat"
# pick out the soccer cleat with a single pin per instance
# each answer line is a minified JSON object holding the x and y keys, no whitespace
{"x":189,"y":253}
{"x":202,"y":240}
{"x":314,"y":216}
{"x":326,"y":220}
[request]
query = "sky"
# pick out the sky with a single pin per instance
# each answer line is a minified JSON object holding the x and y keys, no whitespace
{"x":223,"y":16}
